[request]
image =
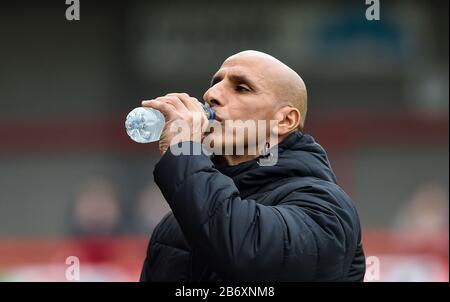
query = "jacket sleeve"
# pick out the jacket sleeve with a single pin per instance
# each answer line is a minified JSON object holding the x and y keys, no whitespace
{"x":239,"y":238}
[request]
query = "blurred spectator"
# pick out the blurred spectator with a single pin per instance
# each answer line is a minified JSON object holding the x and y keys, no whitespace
{"x":151,"y":207}
{"x":96,"y":209}
{"x":427,"y":211}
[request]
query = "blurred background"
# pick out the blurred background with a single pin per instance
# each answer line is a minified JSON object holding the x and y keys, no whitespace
{"x":73,"y":184}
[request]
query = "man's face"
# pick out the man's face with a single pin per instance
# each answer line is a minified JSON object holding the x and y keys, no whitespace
{"x":240,"y":90}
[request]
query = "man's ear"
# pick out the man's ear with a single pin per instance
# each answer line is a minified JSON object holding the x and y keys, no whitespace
{"x":288,"y":119}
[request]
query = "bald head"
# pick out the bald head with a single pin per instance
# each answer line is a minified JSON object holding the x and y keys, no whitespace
{"x":287,"y":86}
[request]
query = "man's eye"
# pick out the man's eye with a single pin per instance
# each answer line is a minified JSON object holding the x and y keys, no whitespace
{"x":241,"y":88}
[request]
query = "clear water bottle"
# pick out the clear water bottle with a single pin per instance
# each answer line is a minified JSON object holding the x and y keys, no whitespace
{"x":145,"y":125}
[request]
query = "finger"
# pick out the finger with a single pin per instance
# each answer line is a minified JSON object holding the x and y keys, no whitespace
{"x":176,"y":104}
{"x":175,"y":101}
{"x":167,"y":109}
{"x":189,"y":102}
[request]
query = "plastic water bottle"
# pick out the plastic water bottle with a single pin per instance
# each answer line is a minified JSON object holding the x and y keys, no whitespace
{"x":145,"y":125}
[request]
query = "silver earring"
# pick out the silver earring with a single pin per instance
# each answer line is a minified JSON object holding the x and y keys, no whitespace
{"x":266,"y":150}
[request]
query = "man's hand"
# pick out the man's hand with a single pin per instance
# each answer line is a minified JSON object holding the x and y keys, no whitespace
{"x":181,"y":111}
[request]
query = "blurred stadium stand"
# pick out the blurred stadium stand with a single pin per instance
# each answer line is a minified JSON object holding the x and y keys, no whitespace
{"x":378,"y":102}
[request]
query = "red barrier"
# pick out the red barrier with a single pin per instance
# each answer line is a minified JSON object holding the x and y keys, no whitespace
{"x":390,"y":257}
{"x":341,"y":131}
{"x":101,"y":259}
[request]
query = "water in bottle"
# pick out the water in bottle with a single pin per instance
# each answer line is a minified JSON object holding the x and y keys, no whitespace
{"x":145,"y":125}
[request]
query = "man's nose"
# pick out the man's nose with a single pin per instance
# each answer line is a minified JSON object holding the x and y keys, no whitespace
{"x":213,"y":96}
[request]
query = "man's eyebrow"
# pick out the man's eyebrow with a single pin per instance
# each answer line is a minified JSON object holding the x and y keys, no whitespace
{"x":215,"y":79}
{"x":235,"y":78}
{"x":241,"y":79}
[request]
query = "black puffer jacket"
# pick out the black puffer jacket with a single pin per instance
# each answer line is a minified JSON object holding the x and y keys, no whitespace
{"x":287,"y":222}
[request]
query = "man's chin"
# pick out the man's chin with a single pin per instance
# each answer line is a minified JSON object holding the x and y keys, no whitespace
{"x":217,"y":146}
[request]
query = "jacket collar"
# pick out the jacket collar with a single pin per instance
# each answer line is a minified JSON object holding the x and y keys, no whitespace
{"x":298,"y":156}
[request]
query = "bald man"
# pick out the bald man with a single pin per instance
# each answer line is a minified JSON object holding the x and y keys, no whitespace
{"x":234,"y":219}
